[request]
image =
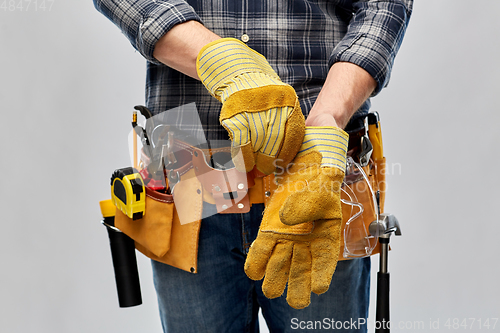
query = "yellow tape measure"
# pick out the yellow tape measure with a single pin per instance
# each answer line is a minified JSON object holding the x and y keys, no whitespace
{"x":128,"y":192}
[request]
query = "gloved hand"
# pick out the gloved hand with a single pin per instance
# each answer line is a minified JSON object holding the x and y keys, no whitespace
{"x":261,"y":113}
{"x":299,"y":237}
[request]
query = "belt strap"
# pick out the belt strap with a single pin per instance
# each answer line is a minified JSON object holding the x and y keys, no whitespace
{"x":230,"y":190}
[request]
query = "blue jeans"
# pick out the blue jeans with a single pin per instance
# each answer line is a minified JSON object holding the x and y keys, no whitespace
{"x":221,"y":298}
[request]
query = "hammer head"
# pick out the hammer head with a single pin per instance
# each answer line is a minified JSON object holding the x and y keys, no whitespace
{"x":385,"y":226}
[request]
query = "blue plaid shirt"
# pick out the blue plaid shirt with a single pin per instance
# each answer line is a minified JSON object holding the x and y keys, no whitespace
{"x":300,"y":38}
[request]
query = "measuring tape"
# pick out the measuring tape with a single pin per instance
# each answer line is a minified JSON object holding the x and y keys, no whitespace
{"x":128,"y":192}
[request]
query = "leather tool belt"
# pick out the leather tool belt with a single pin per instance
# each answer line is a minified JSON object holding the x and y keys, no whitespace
{"x":169,"y":233}
{"x":230,"y":190}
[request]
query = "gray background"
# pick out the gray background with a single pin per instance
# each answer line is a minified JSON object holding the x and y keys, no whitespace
{"x":68,"y":82}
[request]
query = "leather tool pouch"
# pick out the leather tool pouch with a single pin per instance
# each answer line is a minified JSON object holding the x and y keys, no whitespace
{"x":169,"y":233}
{"x":153,"y":230}
{"x":160,"y":235}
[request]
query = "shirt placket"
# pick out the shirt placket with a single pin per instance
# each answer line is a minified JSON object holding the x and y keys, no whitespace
{"x":244,"y":33}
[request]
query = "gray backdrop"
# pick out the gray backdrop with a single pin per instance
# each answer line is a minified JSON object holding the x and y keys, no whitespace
{"x":68,"y":82}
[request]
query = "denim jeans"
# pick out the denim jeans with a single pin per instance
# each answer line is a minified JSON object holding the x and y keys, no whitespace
{"x":221,"y":298}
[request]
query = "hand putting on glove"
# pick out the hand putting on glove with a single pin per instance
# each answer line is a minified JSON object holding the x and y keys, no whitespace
{"x":299,"y":237}
{"x":261,"y":113}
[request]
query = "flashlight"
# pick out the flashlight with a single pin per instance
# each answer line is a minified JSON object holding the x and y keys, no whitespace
{"x":124,"y":259}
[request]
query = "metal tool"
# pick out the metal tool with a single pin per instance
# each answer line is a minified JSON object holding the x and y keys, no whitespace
{"x":366,"y":151}
{"x":383,"y":228}
{"x":148,"y":115}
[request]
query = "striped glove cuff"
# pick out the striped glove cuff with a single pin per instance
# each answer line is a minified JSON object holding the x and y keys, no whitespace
{"x":330,"y":142}
{"x":220,"y":63}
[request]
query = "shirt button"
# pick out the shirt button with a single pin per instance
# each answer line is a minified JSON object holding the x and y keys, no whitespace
{"x":245,"y":38}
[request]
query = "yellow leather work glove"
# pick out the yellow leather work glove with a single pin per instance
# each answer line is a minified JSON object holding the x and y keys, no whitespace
{"x":261,"y":113}
{"x":299,"y":237}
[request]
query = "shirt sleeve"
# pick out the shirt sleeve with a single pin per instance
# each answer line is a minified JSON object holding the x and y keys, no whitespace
{"x":374,"y":36}
{"x":144,"y":22}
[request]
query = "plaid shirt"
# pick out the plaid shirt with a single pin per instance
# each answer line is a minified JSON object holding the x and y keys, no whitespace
{"x":300,"y":38}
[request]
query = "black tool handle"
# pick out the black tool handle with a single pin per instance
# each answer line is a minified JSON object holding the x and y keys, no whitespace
{"x":382,"y":324}
{"x":125,"y":266}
